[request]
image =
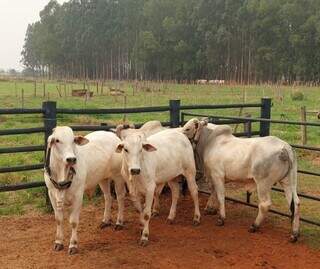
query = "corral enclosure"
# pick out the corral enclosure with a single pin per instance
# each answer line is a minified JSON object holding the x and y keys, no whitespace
{"x":141,"y":94}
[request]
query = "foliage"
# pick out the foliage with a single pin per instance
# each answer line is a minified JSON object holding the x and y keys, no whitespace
{"x":238,"y":40}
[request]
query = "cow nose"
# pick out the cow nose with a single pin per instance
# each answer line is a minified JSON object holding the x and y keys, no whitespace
{"x":72,"y":160}
{"x":135,"y":171}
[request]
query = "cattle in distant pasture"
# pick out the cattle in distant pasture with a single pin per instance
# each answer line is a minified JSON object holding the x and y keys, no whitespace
{"x":201,"y":81}
{"x":263,"y":161}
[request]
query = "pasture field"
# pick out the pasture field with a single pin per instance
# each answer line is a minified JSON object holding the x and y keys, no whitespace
{"x":153,"y":94}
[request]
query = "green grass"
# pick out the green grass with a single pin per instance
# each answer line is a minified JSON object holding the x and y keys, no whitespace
{"x":160,"y":94}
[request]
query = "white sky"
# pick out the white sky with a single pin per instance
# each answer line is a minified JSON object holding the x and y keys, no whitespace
{"x":15,"y":15}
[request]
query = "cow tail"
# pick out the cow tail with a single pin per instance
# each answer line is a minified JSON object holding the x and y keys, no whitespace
{"x":287,"y":154}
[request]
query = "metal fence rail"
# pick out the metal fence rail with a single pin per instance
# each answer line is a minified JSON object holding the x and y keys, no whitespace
{"x":177,"y":114}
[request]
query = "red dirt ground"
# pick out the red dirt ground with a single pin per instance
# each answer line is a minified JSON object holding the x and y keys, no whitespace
{"x":27,"y":241}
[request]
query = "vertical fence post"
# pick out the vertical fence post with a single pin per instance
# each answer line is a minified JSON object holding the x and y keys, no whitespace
{"x":303,"y":127}
{"x":50,"y":122}
{"x":174,"y":113}
{"x":247,"y":126}
{"x":265,"y":114}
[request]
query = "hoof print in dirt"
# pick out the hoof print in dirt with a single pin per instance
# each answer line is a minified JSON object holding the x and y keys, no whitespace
{"x":104,"y":225}
{"x":73,"y":251}
{"x":57,"y":247}
{"x":220,"y":222}
{"x":253,"y":228}
{"x":210,"y":211}
{"x":119,"y":227}
{"x":143,"y":242}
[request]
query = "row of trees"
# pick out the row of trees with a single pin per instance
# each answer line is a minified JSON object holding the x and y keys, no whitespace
{"x":240,"y":40}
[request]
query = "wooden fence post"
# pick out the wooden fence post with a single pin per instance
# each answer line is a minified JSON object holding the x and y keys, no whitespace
{"x":174,"y":113}
{"x":247,"y":126}
{"x":303,"y":127}
{"x":35,"y":88}
{"x":265,"y":113}
{"x":50,"y":122}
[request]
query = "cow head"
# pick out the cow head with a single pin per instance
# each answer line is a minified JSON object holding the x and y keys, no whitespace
{"x":193,"y":128}
{"x":63,"y":144}
{"x":132,"y":148}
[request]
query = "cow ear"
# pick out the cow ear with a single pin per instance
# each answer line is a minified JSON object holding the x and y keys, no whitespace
{"x":51,"y":141}
{"x":119,"y":148}
{"x":149,"y":147}
{"x":80,"y":140}
{"x":204,"y":121}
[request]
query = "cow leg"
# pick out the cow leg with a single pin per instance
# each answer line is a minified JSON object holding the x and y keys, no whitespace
{"x":105,"y":187}
{"x":121,"y":192}
{"x":74,"y":222}
{"x":58,"y":214}
{"x":263,"y":190}
{"x":146,"y":214}
{"x":175,"y":191}
{"x":156,"y":200}
{"x":193,"y":188}
{"x":218,"y":184}
{"x":210,"y":208}
{"x":294,"y":207}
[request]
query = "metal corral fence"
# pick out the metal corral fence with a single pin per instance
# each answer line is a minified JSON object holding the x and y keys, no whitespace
{"x":264,"y":131}
{"x":49,"y":111}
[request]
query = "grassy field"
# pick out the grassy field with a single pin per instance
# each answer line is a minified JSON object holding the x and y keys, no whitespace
{"x":17,"y":94}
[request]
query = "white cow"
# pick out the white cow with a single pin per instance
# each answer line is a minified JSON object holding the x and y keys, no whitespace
{"x":152,"y":161}
{"x":148,"y":128}
{"x":75,"y":164}
{"x":265,"y":160}
{"x":201,"y":81}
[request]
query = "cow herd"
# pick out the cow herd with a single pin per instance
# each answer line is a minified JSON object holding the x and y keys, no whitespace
{"x":143,"y":160}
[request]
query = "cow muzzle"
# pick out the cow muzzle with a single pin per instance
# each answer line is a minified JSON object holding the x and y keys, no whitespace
{"x":135,"y":171}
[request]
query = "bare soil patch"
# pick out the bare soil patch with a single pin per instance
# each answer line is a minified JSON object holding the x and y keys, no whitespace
{"x":27,"y":241}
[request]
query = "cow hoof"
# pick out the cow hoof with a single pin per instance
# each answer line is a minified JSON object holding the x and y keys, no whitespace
{"x":119,"y":227}
{"x":210,"y":211}
{"x":220,"y":222}
{"x":155,"y":214}
{"x":58,"y":247}
{"x":294,"y":237}
{"x":196,"y":222}
{"x":73,"y":251}
{"x":170,"y":221}
{"x":253,"y":228}
{"x":104,"y":225}
{"x":143,"y":242}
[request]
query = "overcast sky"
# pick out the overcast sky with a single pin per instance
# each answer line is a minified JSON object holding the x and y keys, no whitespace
{"x":15,"y":15}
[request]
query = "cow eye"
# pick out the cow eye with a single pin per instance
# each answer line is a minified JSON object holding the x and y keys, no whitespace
{"x":57,"y":141}
{"x":126,"y":150}
{"x":187,"y":129}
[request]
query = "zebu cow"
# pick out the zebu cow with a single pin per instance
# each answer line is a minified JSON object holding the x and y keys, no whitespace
{"x":152,"y":161}
{"x":74,"y":164}
{"x":201,"y":81}
{"x":266,"y":160}
{"x":147,"y":129}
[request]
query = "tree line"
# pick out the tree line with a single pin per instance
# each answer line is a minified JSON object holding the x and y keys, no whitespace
{"x":245,"y":41}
